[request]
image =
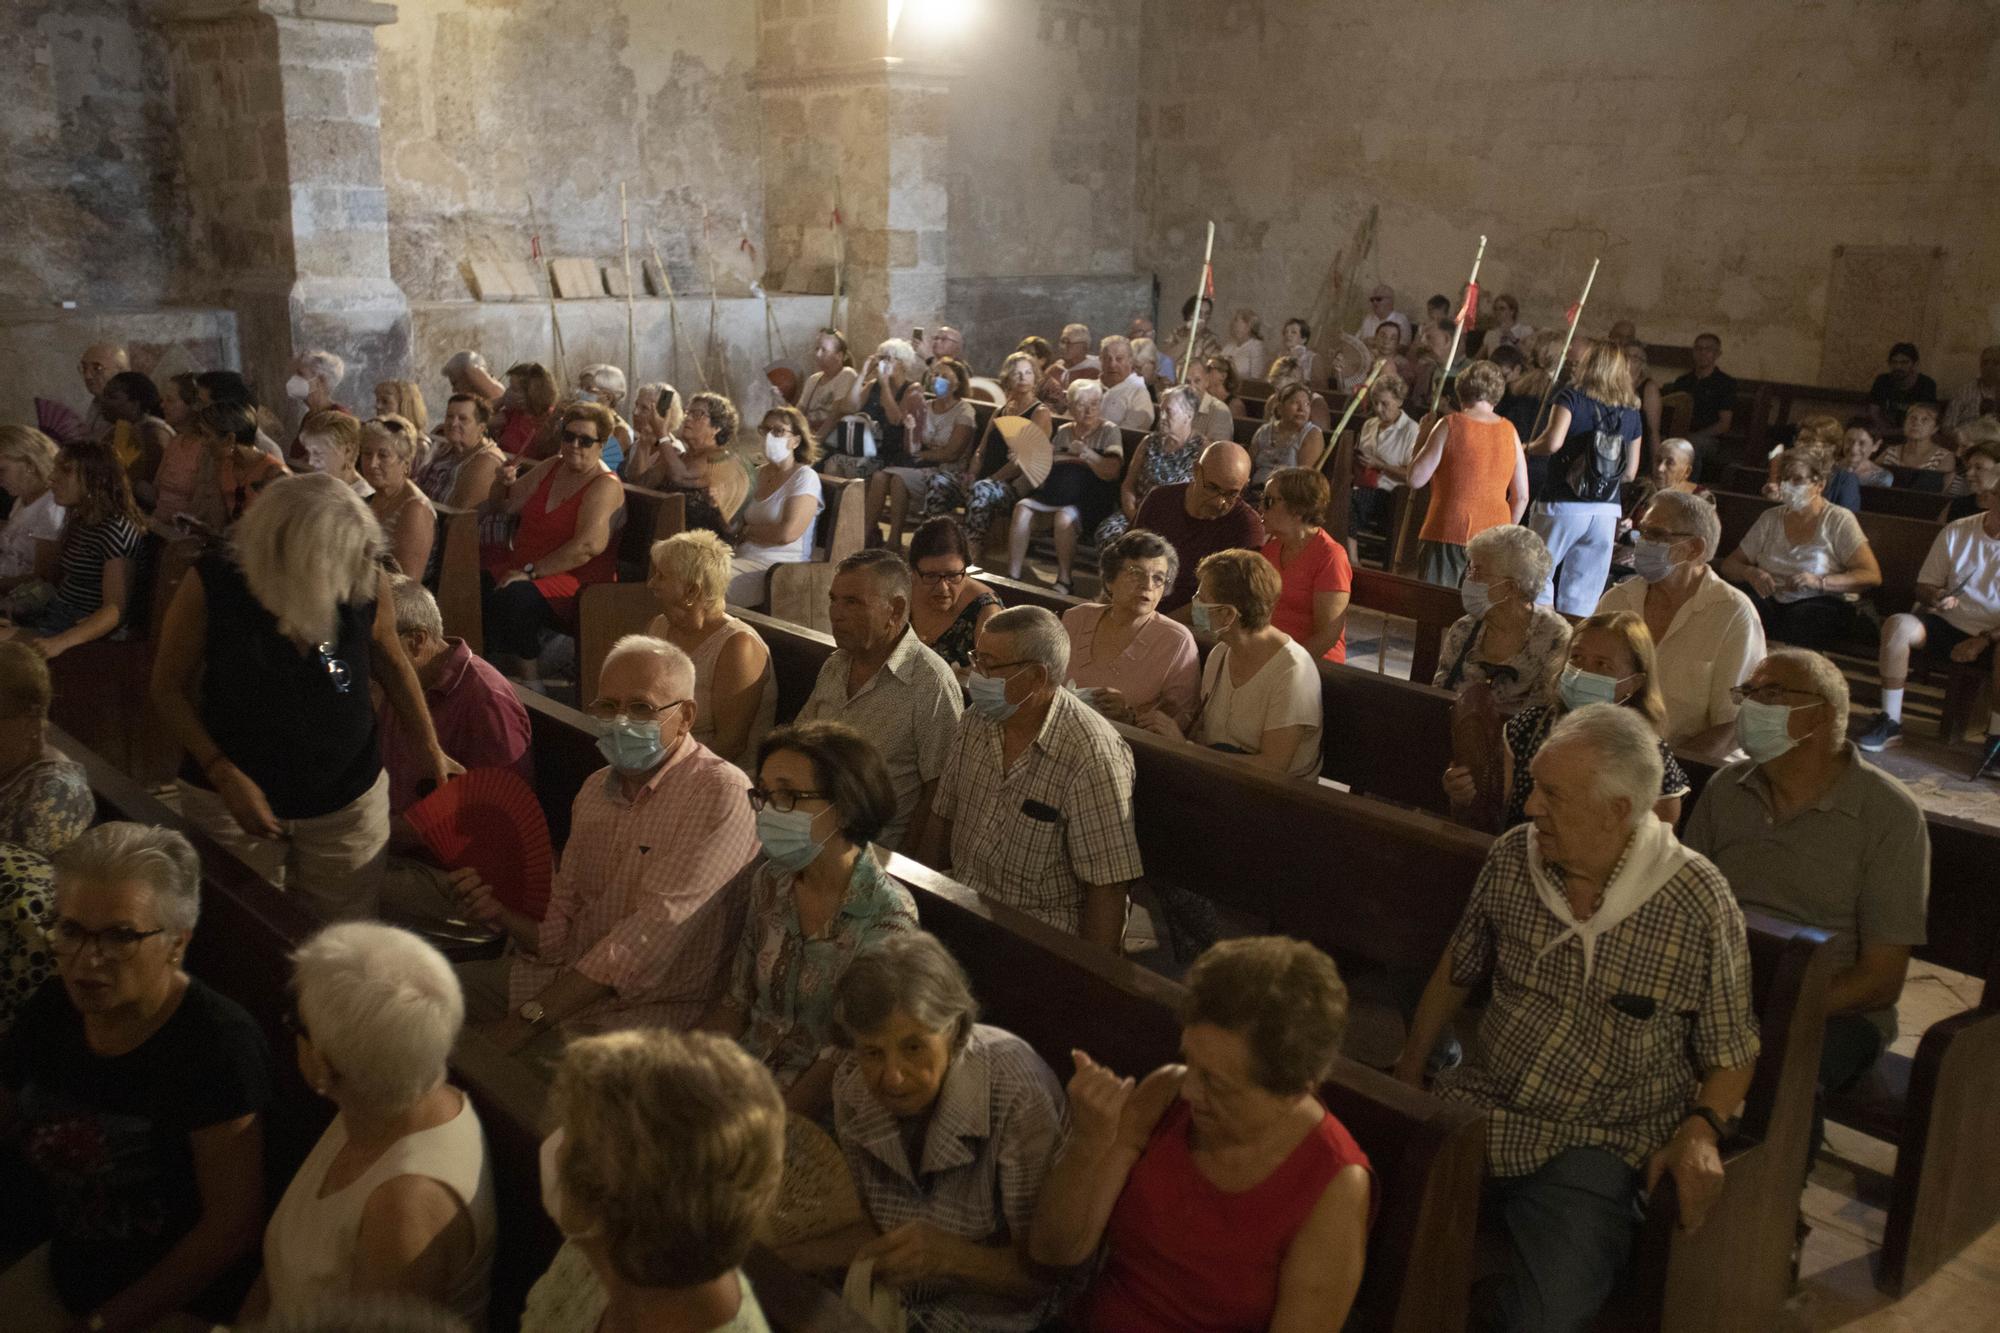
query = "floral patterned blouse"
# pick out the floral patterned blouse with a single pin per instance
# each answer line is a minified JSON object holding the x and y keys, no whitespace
{"x":27,"y":900}
{"x":1522,"y":679}
{"x":784,"y":981}
{"x":47,"y":805}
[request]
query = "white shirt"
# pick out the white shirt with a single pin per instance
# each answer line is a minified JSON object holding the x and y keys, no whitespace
{"x":38,"y":522}
{"x":1830,"y":550}
{"x":1214,"y":421}
{"x":1284,"y":693}
{"x":1374,"y":322}
{"x":1248,"y":358}
{"x":1394,"y":447}
{"x":1711,"y":647}
{"x":803,"y":481}
{"x":1128,"y":404}
{"x":1965,"y":562}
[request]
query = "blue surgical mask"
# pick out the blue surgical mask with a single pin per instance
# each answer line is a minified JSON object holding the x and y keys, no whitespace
{"x":1202,"y":616}
{"x":1582,"y":688}
{"x":1764,"y":730}
{"x":1478,"y":598}
{"x":940,"y":386}
{"x":787,"y":839}
{"x":1653,"y":561}
{"x":986,"y":696}
{"x":632,"y":747}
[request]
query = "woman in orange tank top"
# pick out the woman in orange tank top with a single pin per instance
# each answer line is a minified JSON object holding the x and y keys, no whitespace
{"x":1478,"y":476}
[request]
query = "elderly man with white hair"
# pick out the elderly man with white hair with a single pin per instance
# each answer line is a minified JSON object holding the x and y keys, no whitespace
{"x":467,"y":373}
{"x":1707,"y":631}
{"x":944,"y":343}
{"x":637,"y":932}
{"x":1608,"y":947}
{"x":1126,"y":402}
{"x":1809,"y":831}
{"x":99,"y":362}
{"x":1382,"y":310}
{"x":1035,"y":801}
{"x":397,"y":1193}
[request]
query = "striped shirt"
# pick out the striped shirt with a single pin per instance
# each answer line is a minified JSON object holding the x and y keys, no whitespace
{"x":909,"y":708}
{"x":998,"y":1122}
{"x":1613,"y":1062}
{"x":85,"y":552}
{"x":637,"y":902}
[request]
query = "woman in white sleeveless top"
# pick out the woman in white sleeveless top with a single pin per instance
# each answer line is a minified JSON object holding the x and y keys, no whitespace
{"x":397,"y":1194}
{"x":735,"y":690}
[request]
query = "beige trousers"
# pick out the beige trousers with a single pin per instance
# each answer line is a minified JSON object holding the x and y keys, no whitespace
{"x":335,"y":862}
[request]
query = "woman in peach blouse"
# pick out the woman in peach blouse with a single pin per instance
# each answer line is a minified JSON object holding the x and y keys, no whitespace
{"x":1126,"y":660}
{"x":1478,"y":475}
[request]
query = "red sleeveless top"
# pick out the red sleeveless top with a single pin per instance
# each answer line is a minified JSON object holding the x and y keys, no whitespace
{"x":542,"y":530}
{"x":1188,"y":1257}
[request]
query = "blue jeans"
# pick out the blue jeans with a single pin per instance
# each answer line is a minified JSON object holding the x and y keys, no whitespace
{"x":1569,"y":1230}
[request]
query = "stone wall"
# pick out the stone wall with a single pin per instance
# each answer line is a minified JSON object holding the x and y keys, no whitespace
{"x":40,"y":350}
{"x":90,"y":208}
{"x":483,"y":104}
{"x":1712,"y":153}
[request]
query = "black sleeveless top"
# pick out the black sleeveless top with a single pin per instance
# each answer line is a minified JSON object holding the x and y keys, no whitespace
{"x":299,"y":724}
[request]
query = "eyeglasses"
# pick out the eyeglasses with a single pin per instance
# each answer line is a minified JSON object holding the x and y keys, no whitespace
{"x":580,"y":440}
{"x":1220,"y":492}
{"x":986,"y":667}
{"x":1661,"y":534}
{"x":1772,"y":694}
{"x":604,"y":710}
{"x":337,"y":671}
{"x":778,"y":428}
{"x":1137,"y":574}
{"x":784,"y":802}
{"x":115,"y":944}
{"x":937,"y":576}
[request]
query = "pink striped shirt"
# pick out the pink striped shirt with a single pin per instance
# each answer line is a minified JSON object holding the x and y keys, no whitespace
{"x":637,"y":902}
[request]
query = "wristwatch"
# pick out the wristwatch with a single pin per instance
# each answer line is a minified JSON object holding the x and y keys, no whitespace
{"x":529,"y":569}
{"x":532,"y":1013}
{"x":1723,"y":1128}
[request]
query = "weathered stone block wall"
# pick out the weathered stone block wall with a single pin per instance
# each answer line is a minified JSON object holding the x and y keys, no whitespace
{"x":40,"y":347}
{"x":484,"y":103}
{"x":1713,"y":153}
{"x":90,"y":211}
{"x":1044,"y":151}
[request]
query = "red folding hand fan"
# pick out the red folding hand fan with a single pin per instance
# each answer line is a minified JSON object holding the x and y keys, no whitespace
{"x":490,"y":820}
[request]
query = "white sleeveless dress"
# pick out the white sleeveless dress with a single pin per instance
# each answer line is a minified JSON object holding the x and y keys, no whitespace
{"x":309,"y":1245}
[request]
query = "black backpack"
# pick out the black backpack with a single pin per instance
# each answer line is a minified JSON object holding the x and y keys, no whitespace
{"x":1598,"y":467}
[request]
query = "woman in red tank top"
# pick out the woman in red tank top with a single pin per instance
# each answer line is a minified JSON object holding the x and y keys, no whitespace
{"x":566,"y":506}
{"x":1229,"y":1199}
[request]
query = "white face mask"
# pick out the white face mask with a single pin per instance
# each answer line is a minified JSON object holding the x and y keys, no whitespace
{"x":1795,"y":494}
{"x":777,"y":448}
{"x":298,"y":386}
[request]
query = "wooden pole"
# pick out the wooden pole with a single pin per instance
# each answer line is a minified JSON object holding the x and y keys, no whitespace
{"x":1333,"y":440}
{"x":714,"y":345}
{"x":1562,"y":362}
{"x":839,"y":257}
{"x":1200,"y":294}
{"x":673,"y":314}
{"x":631,"y":319}
{"x":555,"y":325}
{"x":1458,"y":327}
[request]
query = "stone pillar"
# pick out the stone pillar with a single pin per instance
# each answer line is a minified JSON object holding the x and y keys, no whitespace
{"x":280,"y":133}
{"x":843,"y":112}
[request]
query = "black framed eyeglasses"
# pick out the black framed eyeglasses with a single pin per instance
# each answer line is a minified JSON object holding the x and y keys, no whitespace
{"x":580,"y":440}
{"x":937,"y":576}
{"x":785,"y":801}
{"x":638,"y":710}
{"x":115,"y":944}
{"x":337,"y":671}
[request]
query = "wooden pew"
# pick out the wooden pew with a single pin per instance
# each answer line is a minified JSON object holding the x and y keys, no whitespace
{"x":1900,"y":500}
{"x":1432,"y":607}
{"x":1059,"y":994}
{"x":248,"y":932}
{"x":1900,"y":544}
{"x":650,"y":516}
{"x":456,"y":584}
{"x":1777,"y":405}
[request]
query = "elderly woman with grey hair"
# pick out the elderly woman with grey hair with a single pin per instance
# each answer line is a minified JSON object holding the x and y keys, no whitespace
{"x":1505,"y":639}
{"x":1082,"y":485}
{"x":605,"y":386}
{"x":162,"y":1078}
{"x":397,"y":1194}
{"x":1126,"y":660}
{"x":948,"y":1126}
{"x":262,"y":674}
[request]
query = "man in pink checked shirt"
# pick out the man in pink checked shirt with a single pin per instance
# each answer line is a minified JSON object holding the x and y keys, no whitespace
{"x":638,"y":931}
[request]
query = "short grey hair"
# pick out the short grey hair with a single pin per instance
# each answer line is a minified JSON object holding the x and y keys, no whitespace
{"x":1112,"y":342}
{"x":1038,"y":637}
{"x":910,"y":971}
{"x":1693,"y":515}
{"x":324,"y":366}
{"x":1827,"y":681}
{"x":1137,"y":544}
{"x":308,"y":547}
{"x":889,"y":570}
{"x":416,"y":610}
{"x":678,"y":666}
{"x":1146,"y":353}
{"x":605,"y":379}
{"x":1626,"y":748}
{"x":1071,"y":332}
{"x":1516,"y":553}
{"x":1679,"y":448}
{"x":902,"y":353}
{"x":1085,"y":393}
{"x":1183,"y":398}
{"x":120,"y":853}
{"x":383,"y":1007}
{"x":460,"y":362}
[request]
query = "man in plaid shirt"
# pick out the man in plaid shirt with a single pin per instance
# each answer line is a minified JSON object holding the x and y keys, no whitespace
{"x":1619,"y":1039}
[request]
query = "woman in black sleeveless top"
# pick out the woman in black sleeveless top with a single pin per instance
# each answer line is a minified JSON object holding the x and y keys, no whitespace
{"x":262,"y":674}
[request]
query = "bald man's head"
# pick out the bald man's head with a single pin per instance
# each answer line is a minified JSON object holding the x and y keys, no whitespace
{"x":100,"y":361}
{"x":1220,"y":475}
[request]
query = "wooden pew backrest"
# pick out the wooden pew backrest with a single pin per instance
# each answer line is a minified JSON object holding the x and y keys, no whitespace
{"x":457,"y":587}
{"x":798,"y":592}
